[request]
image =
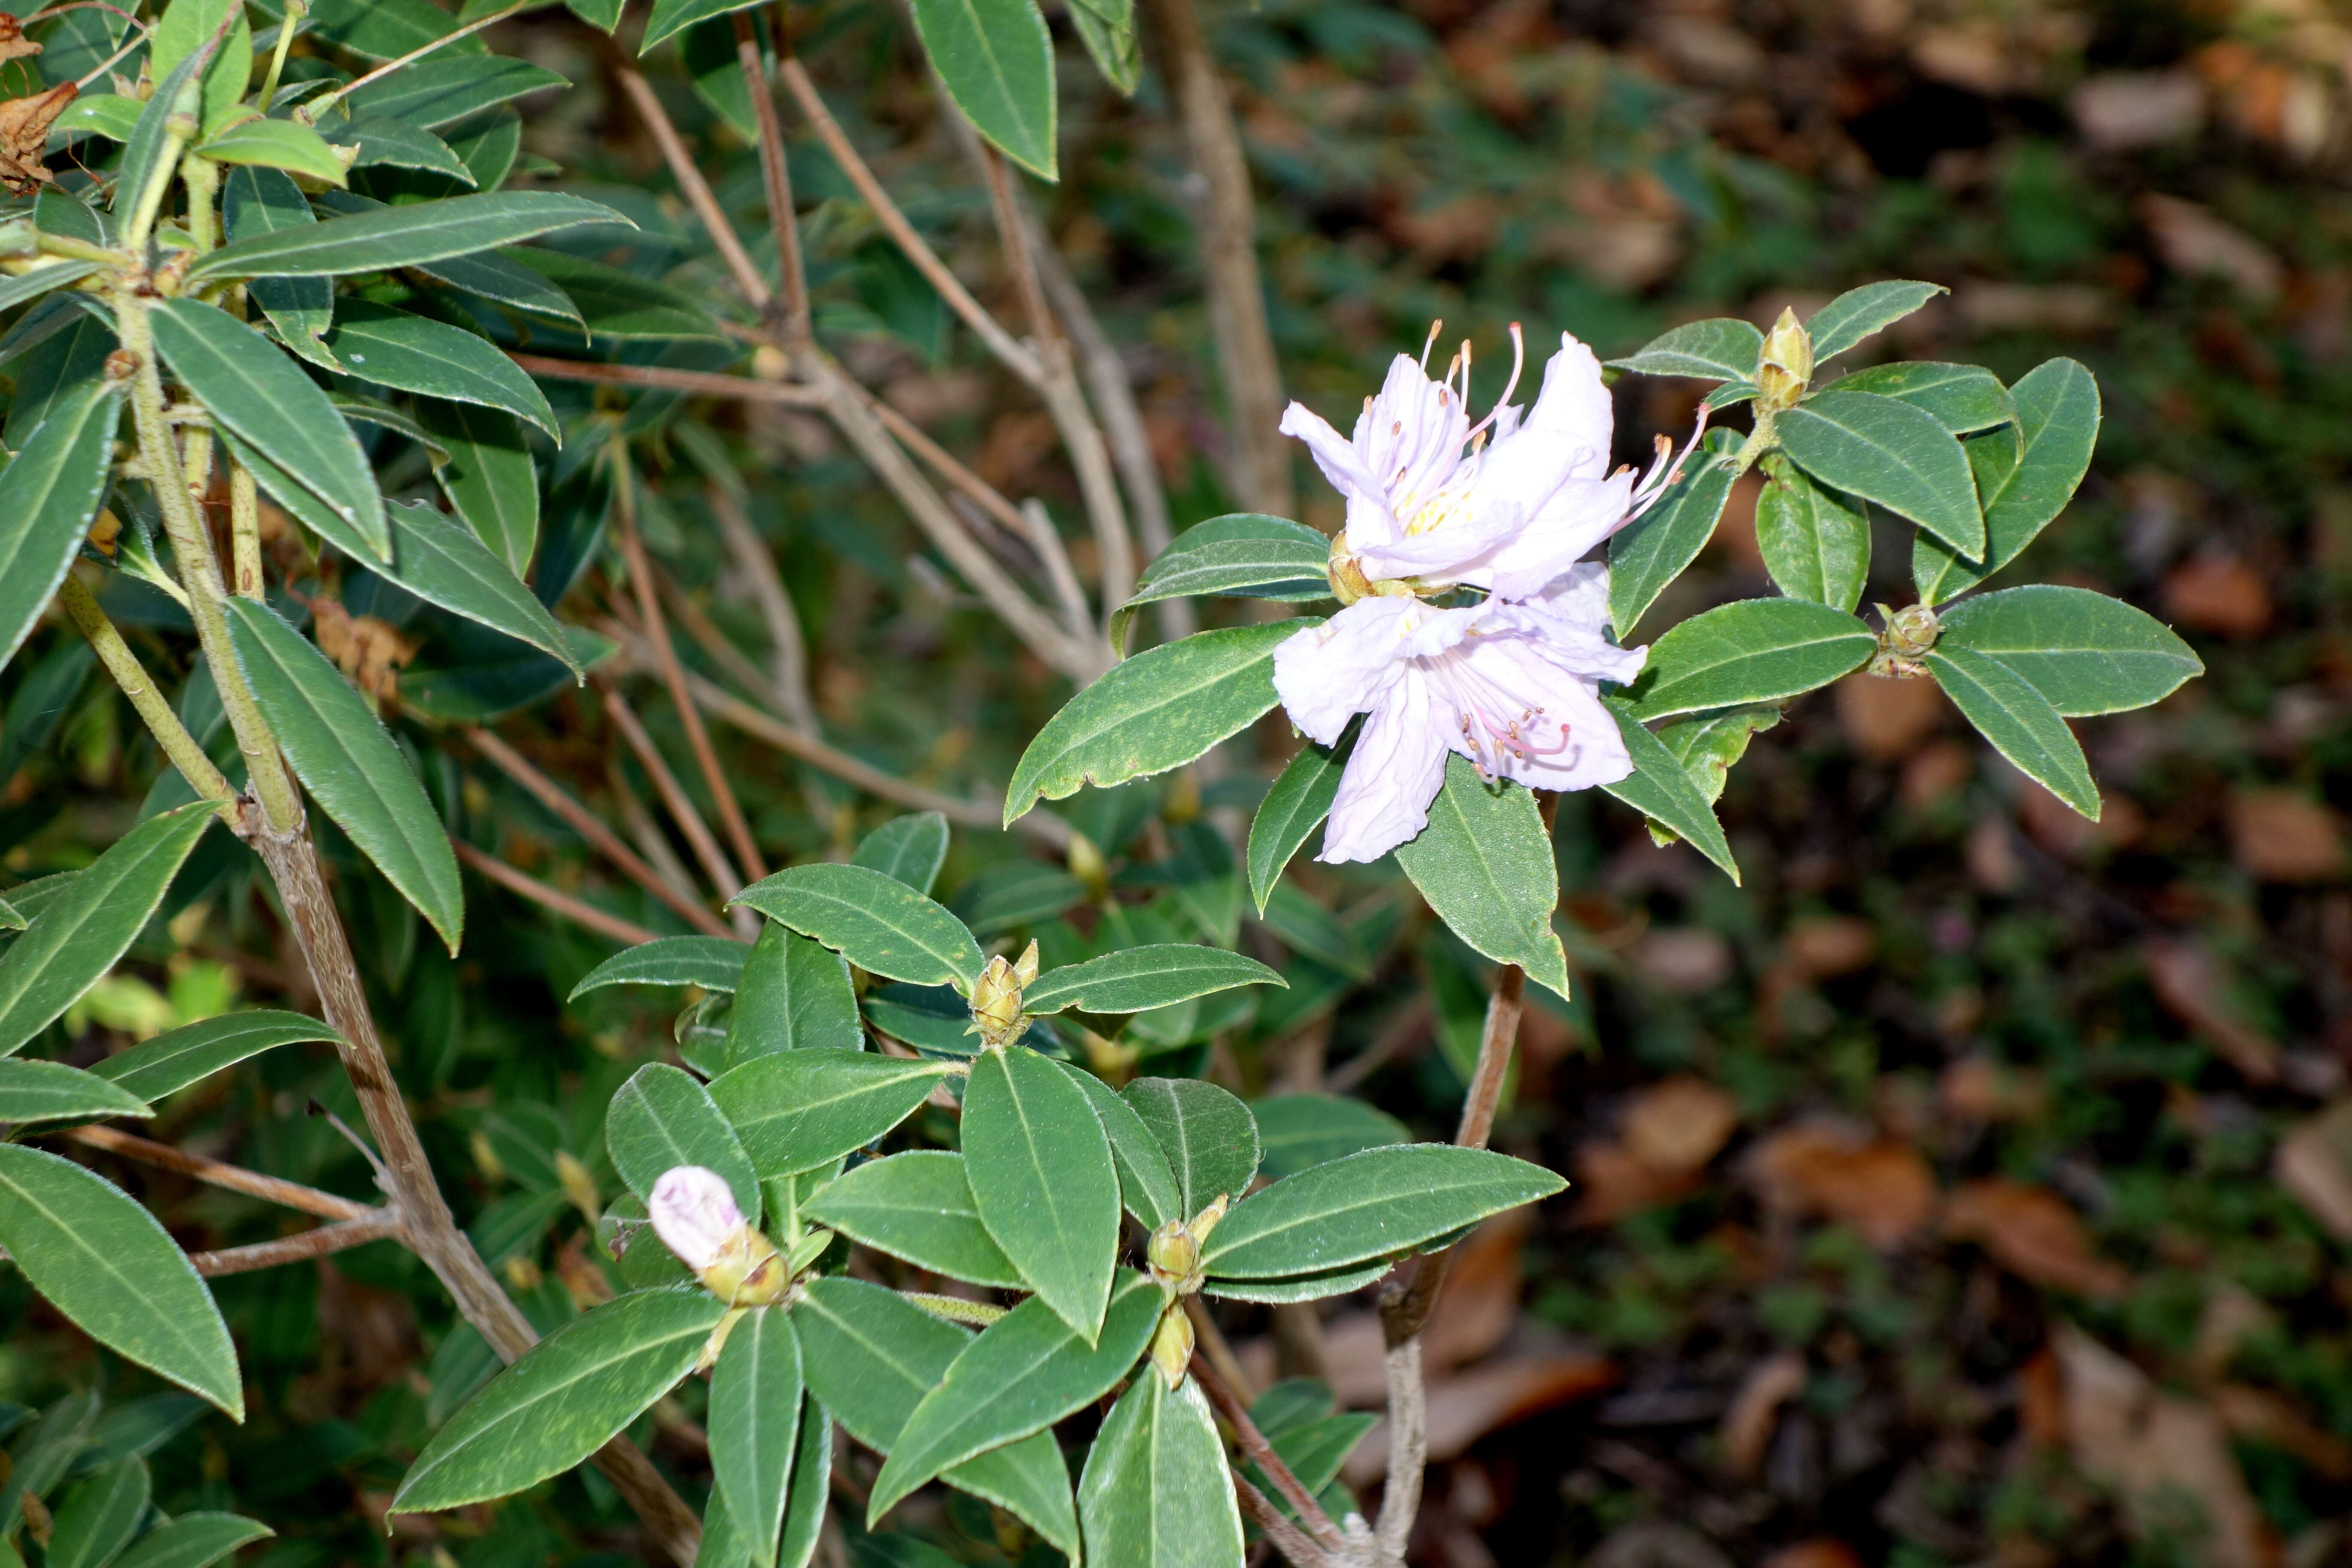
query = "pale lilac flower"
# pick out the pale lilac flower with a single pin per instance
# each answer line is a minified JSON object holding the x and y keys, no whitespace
{"x":1506,"y":505}
{"x":694,"y":1213}
{"x":1514,"y":686}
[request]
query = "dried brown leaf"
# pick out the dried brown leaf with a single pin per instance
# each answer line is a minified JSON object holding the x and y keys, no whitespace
{"x":1883,"y":1189}
{"x":2032,"y":1233}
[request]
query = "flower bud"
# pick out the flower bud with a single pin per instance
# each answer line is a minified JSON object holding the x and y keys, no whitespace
{"x":1024,"y":968}
{"x":1174,"y":1255}
{"x":1788,"y":361}
{"x":1912,"y":630}
{"x":694,"y":1213}
{"x":996,"y":1003}
{"x":1171,"y":1345}
{"x":1206,"y":1220}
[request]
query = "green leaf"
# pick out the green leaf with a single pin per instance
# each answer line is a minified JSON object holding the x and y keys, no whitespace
{"x":99,"y":1516}
{"x":1296,"y":806}
{"x":1156,"y":711}
{"x":755,"y":1423}
{"x":1025,"y":1373}
{"x":383,"y":30}
{"x":2020,"y":722}
{"x":564,"y":1400}
{"x":1137,"y":978}
{"x":444,"y":88}
{"x":1283,"y":567}
{"x":52,"y":1091}
{"x":1316,"y":1287}
{"x":911,"y":849}
{"x":28,"y":286}
{"x":488,"y":478}
{"x":601,"y":14}
{"x":441,"y":560}
{"x":389,"y":144}
{"x":188,"y":27}
{"x":1963,"y":398}
{"x":1296,"y":1132}
{"x":2025,"y":480}
{"x":1209,"y":1137}
{"x":672,"y":17}
{"x":995,"y":57}
{"x":871,"y":1357}
{"x":810,"y":1485}
{"x":1858,"y":312}
{"x":192,"y":1541}
{"x":501,"y":280}
{"x":1815,"y":546}
{"x":172,"y":1060}
{"x":1146,"y":1184}
{"x":663,"y":1117}
{"x":796,"y":1110}
{"x":1706,"y":745}
{"x":250,"y":388}
{"x":1752,"y":650}
{"x":107,"y":1264}
{"x":713,"y":962}
{"x":106,"y":114}
{"x":1657,"y":547}
{"x":796,"y":994}
{"x":617,"y":306}
{"x":415,"y":353}
{"x":1889,"y":452}
{"x":918,"y":1207}
{"x":1722,"y":348}
{"x":73,"y":941}
{"x":348,"y":761}
{"x":2085,"y":652}
{"x":1662,"y":789}
{"x":264,"y":201}
{"x":399,"y":237}
{"x":276,"y":144}
{"x":1115,"y":50}
{"x":1041,"y":1173}
{"x":1484,"y":864}
{"x":1155,"y":1492}
{"x":1382,"y":1203}
{"x":872,"y":919}
{"x":48,"y":497}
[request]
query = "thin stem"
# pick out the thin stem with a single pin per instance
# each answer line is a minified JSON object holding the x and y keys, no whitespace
{"x":788,"y":651}
{"x":690,"y":718}
{"x":1046,"y":540}
{"x":309,"y":114}
{"x":695,"y":381}
{"x":626,"y":932}
{"x":647,"y":835}
{"x":776,"y":174}
{"x":1210,"y":1341}
{"x":244,"y":530}
{"x":1287,"y":1538}
{"x":696,"y":188}
{"x":1408,"y":1448}
{"x":1261,"y":1454}
{"x":299,"y":1247}
{"x":722,"y":873}
{"x":592,"y":828}
{"x":123,"y":665}
{"x":218,"y":1174}
{"x":146,"y":203}
{"x":297,"y":12}
{"x":201,"y":177}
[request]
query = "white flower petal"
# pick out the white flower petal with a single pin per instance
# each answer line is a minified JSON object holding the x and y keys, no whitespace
{"x":693,"y":1210}
{"x":1395,"y":772}
{"x":1327,"y":674}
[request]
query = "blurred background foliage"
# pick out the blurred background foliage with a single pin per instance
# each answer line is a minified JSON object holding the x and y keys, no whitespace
{"x":1972,"y":1186}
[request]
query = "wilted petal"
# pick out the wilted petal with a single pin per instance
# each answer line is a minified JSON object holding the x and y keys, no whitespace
{"x":693,"y":1210}
{"x":1393,"y":775}
{"x":1327,"y":674}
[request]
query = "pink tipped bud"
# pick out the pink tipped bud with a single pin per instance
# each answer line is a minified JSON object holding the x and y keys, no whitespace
{"x":694,"y":1213}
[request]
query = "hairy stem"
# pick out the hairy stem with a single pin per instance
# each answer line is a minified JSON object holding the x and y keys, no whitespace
{"x":128,"y":674}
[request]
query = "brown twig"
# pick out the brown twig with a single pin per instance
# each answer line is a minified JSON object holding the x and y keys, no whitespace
{"x":1292,"y":1542}
{"x":1210,"y":1341}
{"x":682,"y":810}
{"x":646,"y":834}
{"x":776,"y":174}
{"x":514,"y":879}
{"x":788,"y":650}
{"x":695,"y":189}
{"x":701,"y":383}
{"x":690,"y":718}
{"x":297,"y":1247}
{"x":592,"y":828}
{"x":1261,"y":1454}
{"x":215,"y":1173}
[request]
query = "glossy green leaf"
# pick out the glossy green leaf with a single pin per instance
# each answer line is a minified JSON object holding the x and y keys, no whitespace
{"x":2085,"y":652}
{"x":808,"y":1487}
{"x":390,"y":143}
{"x":2020,"y":722}
{"x":1662,"y":789}
{"x":663,"y":1117}
{"x":276,"y":144}
{"x":1484,"y":864}
{"x":79,"y":935}
{"x":2026,"y":478}
{"x":399,"y":236}
{"x":1708,"y":745}
{"x":1751,"y":650}
{"x":1293,"y":808}
{"x":1209,"y":1137}
{"x":192,"y":1541}
{"x":1146,"y":1184}
{"x":444,"y":88}
{"x":99,"y":1516}
{"x":1041,"y":1173}
{"x":996,"y":60}
{"x":911,"y":848}
{"x":501,"y":280}
{"x":489,"y":477}
{"x":1156,"y":711}
{"x":713,"y":962}
{"x":49,"y":495}
{"x":1722,"y":348}
{"x":348,"y":761}
{"x":918,"y":1207}
{"x":755,"y":1423}
{"x":178,"y":1057}
{"x":441,"y":560}
{"x":1288,"y":569}
{"x":1888,"y":452}
{"x":383,"y":30}
{"x":1296,"y":1131}
{"x":871,"y":1356}
{"x":796,"y":994}
{"x":415,"y":353}
{"x":254,"y":390}
{"x":1382,"y":1203}
{"x":107,"y":114}
{"x":1859,"y":313}
{"x":1025,"y":1373}
{"x":1963,"y":398}
{"x":52,"y":1091}
{"x":1656,"y":548}
{"x":1155,"y":1493}
{"x":106,"y":1263}
{"x":617,"y":306}
{"x":256,"y":201}
{"x":872,"y":919}
{"x":601,"y":14}
{"x":187,"y":27}
{"x":1814,"y":545}
{"x":564,"y":1400}
{"x":796,"y":1110}
{"x":670,"y":18}
{"x":1136,"y":978}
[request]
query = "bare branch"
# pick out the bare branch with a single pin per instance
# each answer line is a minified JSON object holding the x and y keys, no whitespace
{"x":297,"y":1247}
{"x":787,"y":651}
{"x":1038,"y":525}
{"x":215,"y":1173}
{"x":715,"y":864}
{"x":776,"y":174}
{"x":695,"y":189}
{"x":706,"y":383}
{"x":515,"y":879}
{"x":1408,"y":1448}
{"x":647,"y":835}
{"x":1288,"y":1538}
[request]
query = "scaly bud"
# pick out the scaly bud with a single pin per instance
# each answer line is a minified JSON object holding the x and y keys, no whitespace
{"x":996,"y":1003}
{"x":1912,"y":630}
{"x":694,"y":1213}
{"x":1171,"y":1345}
{"x":1024,"y":968}
{"x":1206,"y":1220}
{"x":1174,"y":1255}
{"x":1788,"y":361}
